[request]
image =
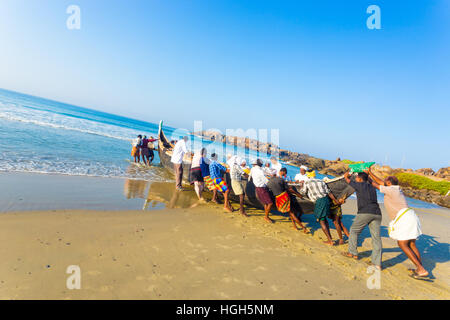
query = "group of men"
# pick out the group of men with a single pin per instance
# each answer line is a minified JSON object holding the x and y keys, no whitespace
{"x":143,"y":146}
{"x":271,"y":187}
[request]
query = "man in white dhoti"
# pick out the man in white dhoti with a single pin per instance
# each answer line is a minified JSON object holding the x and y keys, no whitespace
{"x":405,"y":225}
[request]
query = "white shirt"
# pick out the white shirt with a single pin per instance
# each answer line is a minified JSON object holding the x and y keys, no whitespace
{"x":270,"y":171}
{"x":301,"y":177}
{"x":231,"y":161}
{"x":136,"y":142}
{"x":277,"y":166}
{"x":178,"y":152}
{"x":258,"y":177}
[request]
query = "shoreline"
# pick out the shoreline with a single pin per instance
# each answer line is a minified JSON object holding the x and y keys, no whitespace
{"x":182,"y":250}
{"x":24,"y":185}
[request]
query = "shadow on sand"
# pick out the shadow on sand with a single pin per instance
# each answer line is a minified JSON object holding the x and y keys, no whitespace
{"x":431,"y":250}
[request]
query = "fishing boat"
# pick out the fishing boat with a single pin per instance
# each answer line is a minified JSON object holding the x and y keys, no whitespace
{"x":165,"y":148}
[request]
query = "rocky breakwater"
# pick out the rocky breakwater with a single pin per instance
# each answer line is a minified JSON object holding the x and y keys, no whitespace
{"x":243,"y":142}
{"x":422,"y":184}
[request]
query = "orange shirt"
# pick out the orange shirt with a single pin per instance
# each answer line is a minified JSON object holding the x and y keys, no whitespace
{"x":394,"y":200}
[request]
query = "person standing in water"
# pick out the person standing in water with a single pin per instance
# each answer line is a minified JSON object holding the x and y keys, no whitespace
{"x":147,"y":149}
{"x":178,"y":153}
{"x":136,"y":149}
{"x":196,"y":173}
{"x":405,"y":225}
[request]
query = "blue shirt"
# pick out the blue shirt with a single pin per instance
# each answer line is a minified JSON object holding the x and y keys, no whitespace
{"x":204,"y":167}
{"x":216,"y":170}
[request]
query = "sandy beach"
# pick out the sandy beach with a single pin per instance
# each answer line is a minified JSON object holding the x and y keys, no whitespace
{"x":176,"y":249}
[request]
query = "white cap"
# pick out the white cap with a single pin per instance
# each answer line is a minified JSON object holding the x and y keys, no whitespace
{"x":304,"y":167}
{"x":254,"y":161}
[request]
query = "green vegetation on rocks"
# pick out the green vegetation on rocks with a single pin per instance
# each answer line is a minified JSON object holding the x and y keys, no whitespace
{"x":419,"y":182}
{"x":346,"y":161}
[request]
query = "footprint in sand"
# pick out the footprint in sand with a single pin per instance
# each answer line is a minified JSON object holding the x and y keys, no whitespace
{"x":200,"y":269}
{"x":274,"y":288}
{"x":299,"y":269}
{"x":222,"y":246}
{"x":93,"y":273}
{"x":167,"y":277}
{"x":151,"y":288}
{"x":260,"y":268}
{"x":233,"y":262}
{"x":324,"y":289}
{"x":249,"y":283}
{"x":106,"y":288}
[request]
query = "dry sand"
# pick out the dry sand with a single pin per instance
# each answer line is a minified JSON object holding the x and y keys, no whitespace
{"x":197,"y":253}
{"x":186,"y":251}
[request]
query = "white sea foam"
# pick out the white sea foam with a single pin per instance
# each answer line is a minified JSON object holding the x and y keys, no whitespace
{"x":82,"y":168}
{"x":18,"y":113}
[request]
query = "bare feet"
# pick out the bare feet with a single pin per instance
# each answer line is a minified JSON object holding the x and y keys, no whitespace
{"x":341,"y":242}
{"x":329,"y":242}
{"x":268,"y":219}
{"x":306,"y":231}
{"x":243,"y":213}
{"x":227,"y":209}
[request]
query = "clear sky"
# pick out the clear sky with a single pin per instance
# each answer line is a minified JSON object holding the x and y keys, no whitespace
{"x":312,"y":69}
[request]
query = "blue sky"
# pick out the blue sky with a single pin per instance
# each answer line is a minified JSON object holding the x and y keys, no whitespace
{"x":312,"y":69}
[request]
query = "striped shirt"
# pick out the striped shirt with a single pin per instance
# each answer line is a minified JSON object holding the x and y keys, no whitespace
{"x":316,"y":189}
{"x":236,"y":172}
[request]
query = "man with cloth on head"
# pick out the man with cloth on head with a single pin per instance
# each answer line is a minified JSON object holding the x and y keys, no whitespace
{"x":302,"y":176}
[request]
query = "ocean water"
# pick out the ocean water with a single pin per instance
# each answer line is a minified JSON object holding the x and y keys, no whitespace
{"x":43,"y":136}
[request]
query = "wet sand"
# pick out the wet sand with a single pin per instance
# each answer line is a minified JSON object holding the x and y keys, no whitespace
{"x":189,"y":251}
